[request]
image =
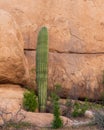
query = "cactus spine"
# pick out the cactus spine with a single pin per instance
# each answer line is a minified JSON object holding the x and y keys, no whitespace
{"x":42,"y":67}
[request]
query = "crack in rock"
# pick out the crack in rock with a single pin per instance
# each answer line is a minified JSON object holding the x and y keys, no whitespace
{"x":67,"y":52}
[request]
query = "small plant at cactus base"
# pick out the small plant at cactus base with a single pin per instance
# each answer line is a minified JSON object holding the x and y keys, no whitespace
{"x":79,"y":109}
{"x":30,"y":101}
{"x":57,"y":121}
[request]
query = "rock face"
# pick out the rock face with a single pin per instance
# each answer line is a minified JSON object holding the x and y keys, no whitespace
{"x":76,"y":41}
{"x":11,"y":97}
{"x":44,"y":119}
{"x":13,"y":66}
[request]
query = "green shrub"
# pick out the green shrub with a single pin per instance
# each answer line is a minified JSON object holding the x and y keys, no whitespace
{"x":57,"y":121}
{"x":79,"y":109}
{"x":29,"y":101}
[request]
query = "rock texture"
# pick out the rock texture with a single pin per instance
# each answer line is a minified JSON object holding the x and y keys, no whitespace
{"x":13,"y":65}
{"x":76,"y":41}
{"x":44,"y":119}
{"x":11,"y":97}
{"x":89,"y":114}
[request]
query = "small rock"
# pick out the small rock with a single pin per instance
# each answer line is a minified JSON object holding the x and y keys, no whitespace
{"x":89,"y":114}
{"x":43,"y":119}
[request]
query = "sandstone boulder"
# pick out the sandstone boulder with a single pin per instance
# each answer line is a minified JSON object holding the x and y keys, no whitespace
{"x":11,"y":97}
{"x":24,"y":13}
{"x":76,"y":41}
{"x":44,"y":119}
{"x":13,"y":64}
{"x":73,"y":26}
{"x":80,"y":75}
{"x":27,"y":28}
{"x":89,"y":114}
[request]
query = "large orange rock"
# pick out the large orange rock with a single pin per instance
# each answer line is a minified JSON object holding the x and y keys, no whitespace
{"x":24,"y":12}
{"x":79,"y":75}
{"x":76,"y":40}
{"x":73,"y":26}
{"x":13,"y":65}
{"x":11,"y":97}
{"x":31,"y":15}
{"x":44,"y":119}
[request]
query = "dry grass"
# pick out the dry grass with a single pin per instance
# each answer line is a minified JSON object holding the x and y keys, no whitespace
{"x":36,"y":128}
{"x":79,"y":128}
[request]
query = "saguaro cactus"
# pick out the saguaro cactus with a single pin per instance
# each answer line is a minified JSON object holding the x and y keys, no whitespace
{"x":42,"y":67}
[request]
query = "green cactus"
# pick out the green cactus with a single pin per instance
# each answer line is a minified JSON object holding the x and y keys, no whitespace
{"x":42,"y":67}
